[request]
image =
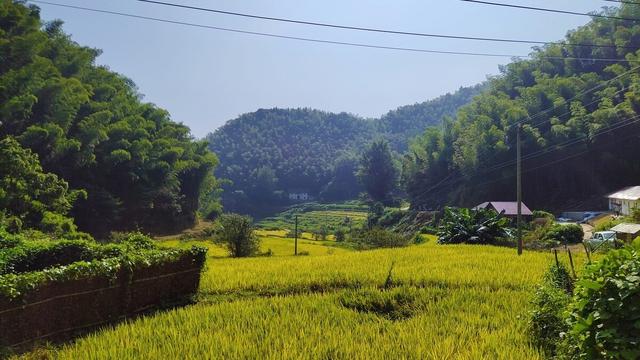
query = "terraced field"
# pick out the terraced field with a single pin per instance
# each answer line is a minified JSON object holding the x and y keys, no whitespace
{"x":422,"y":302}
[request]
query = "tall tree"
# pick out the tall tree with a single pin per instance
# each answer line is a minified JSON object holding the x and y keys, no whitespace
{"x":377,"y":171}
{"x":89,"y":126}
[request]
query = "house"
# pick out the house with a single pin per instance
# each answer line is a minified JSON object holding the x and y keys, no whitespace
{"x":627,"y":232}
{"x":624,"y":201}
{"x":507,"y":208}
{"x":299,"y":195}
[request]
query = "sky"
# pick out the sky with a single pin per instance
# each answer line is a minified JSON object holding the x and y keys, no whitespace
{"x":205,"y":77}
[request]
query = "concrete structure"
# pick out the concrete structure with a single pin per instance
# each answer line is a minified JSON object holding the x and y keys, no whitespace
{"x":627,"y":232}
{"x":300,"y":196}
{"x":624,"y":201}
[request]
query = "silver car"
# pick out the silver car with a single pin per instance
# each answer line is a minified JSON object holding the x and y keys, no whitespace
{"x":602,"y":237}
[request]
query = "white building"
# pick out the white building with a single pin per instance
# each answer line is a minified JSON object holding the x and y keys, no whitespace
{"x":300,"y":196}
{"x":624,"y":201}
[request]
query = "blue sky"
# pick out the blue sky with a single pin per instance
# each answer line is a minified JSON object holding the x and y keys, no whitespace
{"x":205,"y":77}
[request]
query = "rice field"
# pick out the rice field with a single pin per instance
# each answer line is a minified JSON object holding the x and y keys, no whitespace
{"x":453,"y":301}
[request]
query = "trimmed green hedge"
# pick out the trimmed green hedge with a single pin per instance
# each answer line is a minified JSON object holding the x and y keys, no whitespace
{"x":31,"y":264}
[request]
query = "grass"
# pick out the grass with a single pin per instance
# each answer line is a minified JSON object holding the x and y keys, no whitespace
{"x":440,"y":302}
{"x":312,"y":217}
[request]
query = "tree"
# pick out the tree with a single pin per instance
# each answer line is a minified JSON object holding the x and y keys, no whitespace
{"x":90,"y":128}
{"x":377,"y":171}
{"x":30,"y":197}
{"x":236,"y":233}
{"x":344,"y":184}
{"x":584,"y":142}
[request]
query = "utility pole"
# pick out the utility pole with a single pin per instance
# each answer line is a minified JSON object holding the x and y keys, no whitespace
{"x":519,"y":186}
{"x":295,"y":251}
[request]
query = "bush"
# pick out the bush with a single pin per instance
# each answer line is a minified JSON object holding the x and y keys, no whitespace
{"x":546,"y":323}
{"x":135,"y":240}
{"x":540,"y":214}
{"x":340,"y":235}
{"x":604,"y":320}
{"x":391,"y":217}
{"x":565,"y":234}
{"x":380,"y":238}
{"x":236,"y":233}
{"x":481,"y":226}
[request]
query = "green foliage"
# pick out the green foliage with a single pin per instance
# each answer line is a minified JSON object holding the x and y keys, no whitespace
{"x":377,"y":171}
{"x":481,"y":226}
{"x":546,"y":322}
{"x":603,"y":316}
{"x":313,"y":150}
{"x":31,"y":197}
{"x":379,"y":238}
{"x":564,"y":234}
{"x":236,"y":233}
{"x":472,"y":146}
{"x":31,"y":264}
{"x":635,"y":215}
{"x":89,"y":127}
{"x":540,"y":214}
{"x":312,"y":216}
{"x":340,"y":235}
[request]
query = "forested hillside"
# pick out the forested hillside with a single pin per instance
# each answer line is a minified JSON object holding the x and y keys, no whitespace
{"x":269,"y":152}
{"x":579,"y":142}
{"x":70,"y":127}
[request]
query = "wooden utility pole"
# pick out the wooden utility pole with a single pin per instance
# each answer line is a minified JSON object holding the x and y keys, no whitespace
{"x":519,"y":186}
{"x":295,"y":251}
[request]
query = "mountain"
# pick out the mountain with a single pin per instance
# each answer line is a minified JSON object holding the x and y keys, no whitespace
{"x":578,"y":107}
{"x":267,"y":153}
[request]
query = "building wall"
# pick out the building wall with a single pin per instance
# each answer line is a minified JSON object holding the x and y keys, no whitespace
{"x":623,"y":207}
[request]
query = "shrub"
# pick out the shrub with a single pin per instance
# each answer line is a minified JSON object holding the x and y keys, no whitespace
{"x":546,"y":322}
{"x":340,"y":235}
{"x":481,"y":226}
{"x":603,"y":317}
{"x":565,"y":234}
{"x":135,"y":240}
{"x":540,"y":214}
{"x":391,"y":217}
{"x":380,"y":238}
{"x":236,"y":233}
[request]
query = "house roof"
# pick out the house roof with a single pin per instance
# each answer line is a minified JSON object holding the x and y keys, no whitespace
{"x":630,"y":193}
{"x":627,"y":228}
{"x":508,"y":207}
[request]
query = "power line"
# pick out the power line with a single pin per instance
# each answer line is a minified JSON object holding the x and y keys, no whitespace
{"x":539,"y":153}
{"x":549,"y":10}
{"x":332,"y":42}
{"x":582,"y":93}
{"x":377,"y":30}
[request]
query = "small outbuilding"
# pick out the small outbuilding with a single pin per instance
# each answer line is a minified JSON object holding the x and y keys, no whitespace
{"x":507,"y":208}
{"x":625,"y":201}
{"x":627,"y":232}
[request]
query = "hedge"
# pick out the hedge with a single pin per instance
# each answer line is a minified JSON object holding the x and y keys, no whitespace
{"x":78,"y":293}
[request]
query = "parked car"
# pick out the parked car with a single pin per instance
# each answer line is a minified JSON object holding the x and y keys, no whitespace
{"x":602,"y":237}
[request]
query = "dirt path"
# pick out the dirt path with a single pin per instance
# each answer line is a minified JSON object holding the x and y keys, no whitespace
{"x":588,"y":231}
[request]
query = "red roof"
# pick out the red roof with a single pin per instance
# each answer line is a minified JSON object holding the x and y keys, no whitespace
{"x":508,"y":207}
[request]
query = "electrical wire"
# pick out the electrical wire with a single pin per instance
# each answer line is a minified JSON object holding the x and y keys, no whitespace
{"x":362,"y":45}
{"x":549,"y":10}
{"x":582,"y":93}
{"x":377,"y":30}
{"x":542,"y":152}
